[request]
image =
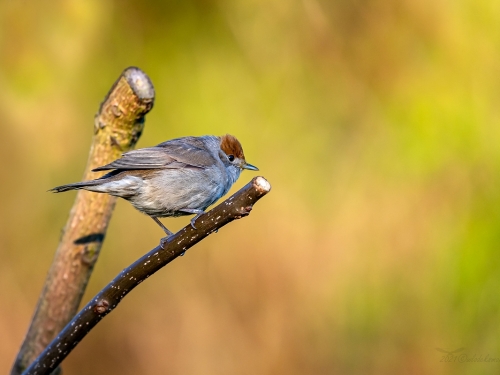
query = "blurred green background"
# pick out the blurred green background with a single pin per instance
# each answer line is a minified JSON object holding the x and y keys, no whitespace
{"x":377,"y":124}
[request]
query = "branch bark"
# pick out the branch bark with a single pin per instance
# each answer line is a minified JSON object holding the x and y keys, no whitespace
{"x":118,"y":126}
{"x":235,"y":207}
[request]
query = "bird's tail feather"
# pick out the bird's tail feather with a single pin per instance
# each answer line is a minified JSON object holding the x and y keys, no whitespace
{"x":75,"y":186}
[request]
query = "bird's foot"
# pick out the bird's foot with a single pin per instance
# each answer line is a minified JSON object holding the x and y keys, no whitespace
{"x":163,"y":242}
{"x":168,"y":233}
{"x":193,"y":220}
{"x":193,"y":211}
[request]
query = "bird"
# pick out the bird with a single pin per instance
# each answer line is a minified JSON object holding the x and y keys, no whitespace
{"x":182,"y":176}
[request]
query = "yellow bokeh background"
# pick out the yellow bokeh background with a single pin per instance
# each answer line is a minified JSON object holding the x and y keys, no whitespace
{"x":376,"y":123}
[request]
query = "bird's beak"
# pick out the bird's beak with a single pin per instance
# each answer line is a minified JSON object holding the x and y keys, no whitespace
{"x":249,"y":167}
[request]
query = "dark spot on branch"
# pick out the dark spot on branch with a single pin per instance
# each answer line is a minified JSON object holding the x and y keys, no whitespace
{"x":94,"y":237}
{"x":115,"y":143}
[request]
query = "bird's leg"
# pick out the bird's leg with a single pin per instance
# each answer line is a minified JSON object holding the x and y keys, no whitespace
{"x":169,"y":233}
{"x":193,"y":211}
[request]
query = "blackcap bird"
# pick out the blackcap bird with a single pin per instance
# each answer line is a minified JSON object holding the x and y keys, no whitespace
{"x":182,"y":176}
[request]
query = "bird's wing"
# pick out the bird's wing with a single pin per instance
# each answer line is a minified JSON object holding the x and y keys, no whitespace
{"x":177,"y":153}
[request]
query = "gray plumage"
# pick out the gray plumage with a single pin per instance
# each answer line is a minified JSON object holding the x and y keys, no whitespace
{"x":178,"y":177}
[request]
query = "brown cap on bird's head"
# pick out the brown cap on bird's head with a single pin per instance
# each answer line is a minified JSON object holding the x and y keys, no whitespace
{"x":232,"y":148}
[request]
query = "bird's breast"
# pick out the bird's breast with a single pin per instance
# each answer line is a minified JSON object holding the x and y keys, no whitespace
{"x":170,"y":191}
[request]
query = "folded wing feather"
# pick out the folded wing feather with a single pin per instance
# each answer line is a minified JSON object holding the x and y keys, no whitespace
{"x":177,"y":153}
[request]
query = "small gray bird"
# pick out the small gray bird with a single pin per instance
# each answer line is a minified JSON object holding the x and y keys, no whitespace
{"x":182,"y":176}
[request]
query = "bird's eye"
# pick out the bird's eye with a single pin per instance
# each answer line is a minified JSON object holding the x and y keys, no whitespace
{"x":230,"y":157}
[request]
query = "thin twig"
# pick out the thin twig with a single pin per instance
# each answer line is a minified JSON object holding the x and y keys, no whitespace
{"x":118,"y":126}
{"x":235,"y":207}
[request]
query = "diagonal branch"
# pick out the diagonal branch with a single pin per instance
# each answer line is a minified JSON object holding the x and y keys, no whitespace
{"x":238,"y":205}
{"x":118,"y":126}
